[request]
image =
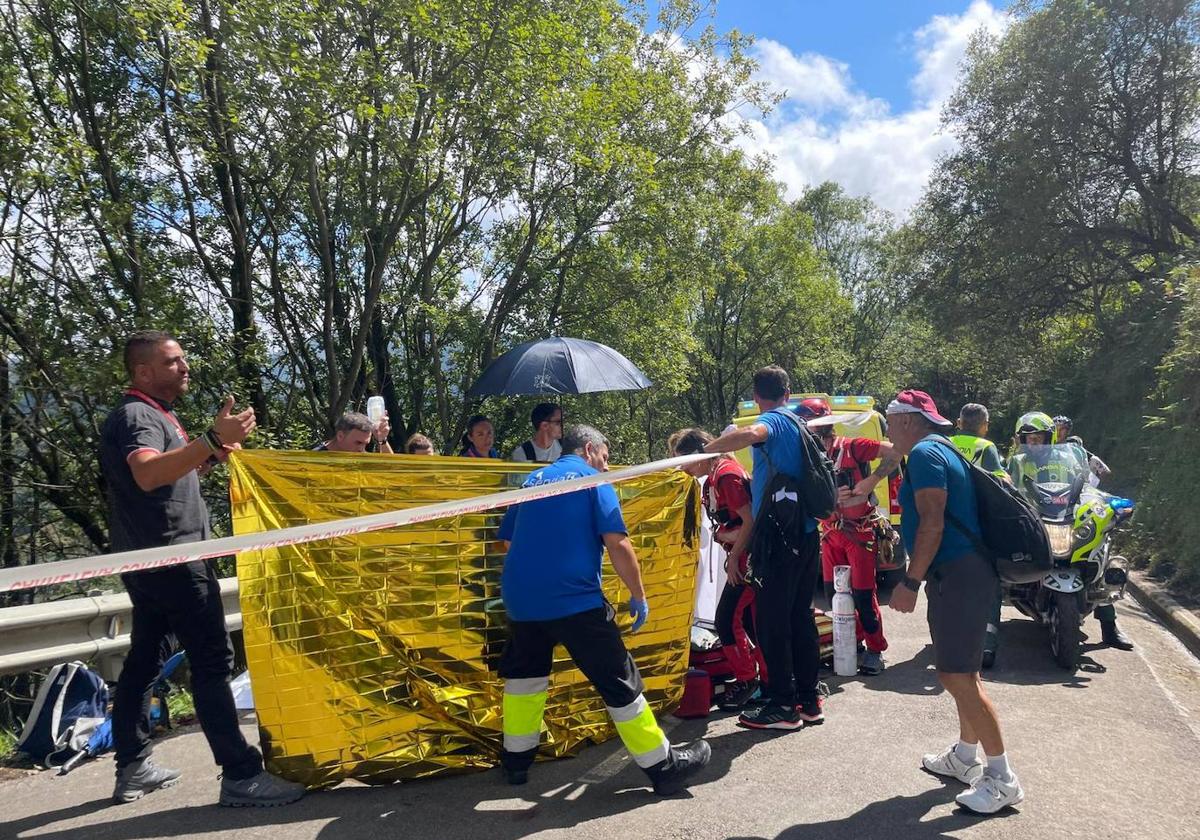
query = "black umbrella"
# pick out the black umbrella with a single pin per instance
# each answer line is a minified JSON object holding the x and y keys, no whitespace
{"x":559,"y":366}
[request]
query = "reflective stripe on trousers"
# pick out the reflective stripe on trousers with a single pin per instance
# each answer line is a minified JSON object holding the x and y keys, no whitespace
{"x":524,"y":703}
{"x":640,"y":732}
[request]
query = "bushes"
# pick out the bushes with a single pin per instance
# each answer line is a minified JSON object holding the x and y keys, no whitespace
{"x":1169,"y":520}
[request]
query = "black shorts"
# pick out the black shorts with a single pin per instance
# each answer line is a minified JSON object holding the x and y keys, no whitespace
{"x":962,"y":594}
{"x":594,"y":643}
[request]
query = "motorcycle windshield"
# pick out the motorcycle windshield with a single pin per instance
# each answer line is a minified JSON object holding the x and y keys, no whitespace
{"x":1051,"y":476}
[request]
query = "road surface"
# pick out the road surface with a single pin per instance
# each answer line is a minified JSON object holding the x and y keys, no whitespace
{"x":1109,"y":752}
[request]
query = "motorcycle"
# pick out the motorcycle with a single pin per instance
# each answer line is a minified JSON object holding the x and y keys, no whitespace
{"x":1080,"y":521}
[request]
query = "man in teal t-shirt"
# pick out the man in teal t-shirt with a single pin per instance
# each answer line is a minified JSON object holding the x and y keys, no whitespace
{"x":939,"y":517}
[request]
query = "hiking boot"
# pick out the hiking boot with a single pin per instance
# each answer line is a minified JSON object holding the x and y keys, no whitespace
{"x":138,"y":778}
{"x":737,"y":695}
{"x":872,"y":664}
{"x":947,"y":763}
{"x":1112,"y":636}
{"x":989,"y":794}
{"x":772,"y":716}
{"x":811,"y":712}
{"x":669,"y":775}
{"x":262,"y":791}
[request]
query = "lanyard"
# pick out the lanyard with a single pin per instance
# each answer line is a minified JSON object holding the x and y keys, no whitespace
{"x":134,"y":392}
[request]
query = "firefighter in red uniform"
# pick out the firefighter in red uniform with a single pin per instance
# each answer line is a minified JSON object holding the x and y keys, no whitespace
{"x":855,"y":533}
{"x":727,"y":502}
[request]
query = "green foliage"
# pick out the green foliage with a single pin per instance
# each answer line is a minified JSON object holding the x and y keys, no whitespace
{"x":1046,"y":246}
{"x":1169,"y":502}
{"x":334,"y":200}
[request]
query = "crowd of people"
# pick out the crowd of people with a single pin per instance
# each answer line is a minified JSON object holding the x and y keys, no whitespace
{"x":551,"y":580}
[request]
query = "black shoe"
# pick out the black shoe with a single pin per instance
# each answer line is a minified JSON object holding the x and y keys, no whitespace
{"x":516,"y":765}
{"x":772,"y":716}
{"x":1112,"y":636}
{"x":812,"y":712}
{"x":989,"y":659}
{"x":737,"y":695}
{"x":669,"y":775}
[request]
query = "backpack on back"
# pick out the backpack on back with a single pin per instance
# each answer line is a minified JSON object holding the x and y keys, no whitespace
{"x":817,"y":486}
{"x":789,"y":503}
{"x":1012,"y":535}
{"x":71,"y":702}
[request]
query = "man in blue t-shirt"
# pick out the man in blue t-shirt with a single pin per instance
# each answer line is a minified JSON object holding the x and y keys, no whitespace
{"x":551,"y":590}
{"x":786,"y":628}
{"x":940,"y":526}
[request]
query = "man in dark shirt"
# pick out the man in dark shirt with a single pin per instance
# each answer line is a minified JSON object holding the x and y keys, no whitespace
{"x":151,"y":469}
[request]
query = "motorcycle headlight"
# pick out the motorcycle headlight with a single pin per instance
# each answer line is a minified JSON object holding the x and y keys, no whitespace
{"x":1085,"y":532}
{"x":1060,"y":539}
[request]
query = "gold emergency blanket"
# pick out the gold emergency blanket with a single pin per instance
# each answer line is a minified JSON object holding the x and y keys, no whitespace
{"x":374,"y":657}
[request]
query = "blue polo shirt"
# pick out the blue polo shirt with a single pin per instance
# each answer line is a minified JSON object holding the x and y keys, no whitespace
{"x":552,"y":568}
{"x":933,"y":464}
{"x":783,"y":447}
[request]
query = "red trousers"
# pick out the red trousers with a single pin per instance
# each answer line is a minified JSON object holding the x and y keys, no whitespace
{"x":856,"y":549}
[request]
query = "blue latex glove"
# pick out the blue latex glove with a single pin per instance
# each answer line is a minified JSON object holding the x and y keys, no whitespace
{"x":640,"y":611}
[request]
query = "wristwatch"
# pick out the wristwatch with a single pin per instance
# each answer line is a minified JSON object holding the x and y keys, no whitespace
{"x":911,"y":583}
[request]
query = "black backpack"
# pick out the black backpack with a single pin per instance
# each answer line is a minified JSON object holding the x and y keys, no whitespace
{"x":1013,"y":536}
{"x":817,"y":487}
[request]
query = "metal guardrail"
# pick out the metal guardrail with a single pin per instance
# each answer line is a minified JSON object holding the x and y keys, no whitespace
{"x":94,"y":629}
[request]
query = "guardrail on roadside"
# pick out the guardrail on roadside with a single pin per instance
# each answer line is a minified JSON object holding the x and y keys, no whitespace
{"x":94,"y":630}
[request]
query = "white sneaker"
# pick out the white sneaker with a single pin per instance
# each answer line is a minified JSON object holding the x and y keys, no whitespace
{"x":988,"y":794}
{"x":947,"y":763}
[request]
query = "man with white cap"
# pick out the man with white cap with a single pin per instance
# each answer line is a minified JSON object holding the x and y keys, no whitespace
{"x":938,"y":507}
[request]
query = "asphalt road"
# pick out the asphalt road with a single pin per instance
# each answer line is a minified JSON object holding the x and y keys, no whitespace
{"x":1107,"y":752}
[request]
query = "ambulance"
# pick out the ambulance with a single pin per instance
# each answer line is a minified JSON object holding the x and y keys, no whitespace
{"x":859,"y":419}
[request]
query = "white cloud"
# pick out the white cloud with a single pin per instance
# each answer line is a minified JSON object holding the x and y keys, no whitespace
{"x":828,"y":129}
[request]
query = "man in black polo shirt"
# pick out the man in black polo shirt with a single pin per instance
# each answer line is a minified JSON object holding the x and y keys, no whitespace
{"x":151,"y":470}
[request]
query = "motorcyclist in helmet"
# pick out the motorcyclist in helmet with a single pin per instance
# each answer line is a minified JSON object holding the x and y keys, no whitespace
{"x":1040,"y":462}
{"x":1062,"y":434}
{"x":855,"y":533}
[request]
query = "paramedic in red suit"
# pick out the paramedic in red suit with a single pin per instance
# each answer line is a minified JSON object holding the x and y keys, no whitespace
{"x":848,"y":538}
{"x":727,"y":502}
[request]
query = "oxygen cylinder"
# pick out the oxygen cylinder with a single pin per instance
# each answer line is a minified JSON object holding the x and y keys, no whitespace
{"x":845,"y":643}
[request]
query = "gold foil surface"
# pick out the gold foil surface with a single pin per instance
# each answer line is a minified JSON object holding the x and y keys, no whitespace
{"x":374,"y":657}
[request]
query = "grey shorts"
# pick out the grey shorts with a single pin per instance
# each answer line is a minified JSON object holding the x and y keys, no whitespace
{"x":962,"y":594}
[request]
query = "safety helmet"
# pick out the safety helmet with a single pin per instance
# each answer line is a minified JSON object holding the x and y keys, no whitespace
{"x":1063,"y":420}
{"x":1033,"y":422}
{"x":812,"y":408}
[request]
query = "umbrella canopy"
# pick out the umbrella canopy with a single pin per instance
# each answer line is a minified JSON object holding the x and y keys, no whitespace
{"x":559,"y":366}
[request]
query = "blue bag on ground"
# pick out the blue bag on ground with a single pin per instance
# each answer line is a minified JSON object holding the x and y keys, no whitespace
{"x":72,"y":699}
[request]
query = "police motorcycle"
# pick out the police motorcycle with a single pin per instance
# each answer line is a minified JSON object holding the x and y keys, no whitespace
{"x":1080,"y":520}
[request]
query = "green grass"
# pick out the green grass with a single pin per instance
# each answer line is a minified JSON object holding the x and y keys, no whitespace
{"x":8,"y":745}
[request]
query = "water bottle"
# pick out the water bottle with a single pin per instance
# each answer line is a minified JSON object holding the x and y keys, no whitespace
{"x":845,"y":642}
{"x":375,"y":410}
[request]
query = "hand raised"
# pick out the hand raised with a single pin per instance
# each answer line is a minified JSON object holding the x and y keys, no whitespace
{"x":233,"y":428}
{"x":382,"y":429}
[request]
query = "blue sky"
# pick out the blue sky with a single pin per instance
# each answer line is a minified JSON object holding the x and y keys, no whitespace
{"x":875,"y":38}
{"x":865,"y":80}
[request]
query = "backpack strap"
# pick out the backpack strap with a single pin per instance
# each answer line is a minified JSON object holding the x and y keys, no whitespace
{"x":975,"y":540}
{"x":530,"y":452}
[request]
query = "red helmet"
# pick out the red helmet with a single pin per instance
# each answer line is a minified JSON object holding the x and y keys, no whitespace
{"x":812,"y":408}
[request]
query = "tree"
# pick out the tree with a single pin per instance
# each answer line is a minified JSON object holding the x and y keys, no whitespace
{"x":1075,"y":175}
